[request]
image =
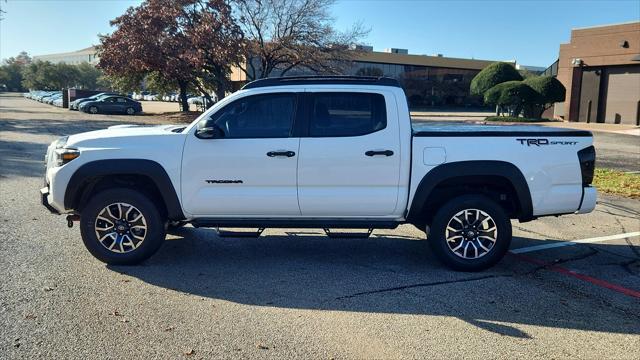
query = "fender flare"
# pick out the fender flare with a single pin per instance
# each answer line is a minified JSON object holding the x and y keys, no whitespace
{"x":93,"y":170}
{"x":472,"y":168}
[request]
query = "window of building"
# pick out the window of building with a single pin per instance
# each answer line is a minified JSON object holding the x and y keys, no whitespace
{"x":347,"y":114}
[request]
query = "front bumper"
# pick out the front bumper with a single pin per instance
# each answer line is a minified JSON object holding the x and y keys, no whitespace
{"x":44,"y":195}
{"x":589,"y":197}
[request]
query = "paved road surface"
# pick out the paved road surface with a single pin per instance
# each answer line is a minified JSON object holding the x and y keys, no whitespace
{"x":296,"y":293}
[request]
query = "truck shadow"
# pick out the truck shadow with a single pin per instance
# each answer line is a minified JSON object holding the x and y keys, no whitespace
{"x":384,"y":274}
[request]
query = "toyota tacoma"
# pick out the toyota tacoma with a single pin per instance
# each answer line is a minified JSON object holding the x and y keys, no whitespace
{"x":317,"y":152}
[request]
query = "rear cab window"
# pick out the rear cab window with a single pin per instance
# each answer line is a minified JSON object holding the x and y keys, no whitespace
{"x":338,"y":114}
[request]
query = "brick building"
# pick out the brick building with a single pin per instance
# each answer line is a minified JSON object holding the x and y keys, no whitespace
{"x":600,"y":67}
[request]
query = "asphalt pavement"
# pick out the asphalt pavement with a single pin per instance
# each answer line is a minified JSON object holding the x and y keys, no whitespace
{"x":294,"y":293}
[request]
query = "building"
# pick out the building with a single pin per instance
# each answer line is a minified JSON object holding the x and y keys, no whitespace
{"x":600,"y":68}
{"x":428,"y":81}
{"x":73,"y":58}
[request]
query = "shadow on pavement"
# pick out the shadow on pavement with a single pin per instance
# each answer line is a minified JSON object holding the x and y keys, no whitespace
{"x":384,"y":274}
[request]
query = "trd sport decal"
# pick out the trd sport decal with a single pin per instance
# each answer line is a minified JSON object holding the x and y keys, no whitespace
{"x":541,"y":142}
{"x":223,"y":181}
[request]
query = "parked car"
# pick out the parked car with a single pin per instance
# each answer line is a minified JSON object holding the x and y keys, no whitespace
{"x":76,"y":103}
{"x":111,"y":104}
{"x":347,"y":158}
{"x":49,"y":100}
{"x":57,"y":102}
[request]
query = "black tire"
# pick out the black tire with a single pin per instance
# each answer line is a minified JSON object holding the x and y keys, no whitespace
{"x":130,"y":111}
{"x":93,"y":110}
{"x":438,"y":232}
{"x":155,"y":226}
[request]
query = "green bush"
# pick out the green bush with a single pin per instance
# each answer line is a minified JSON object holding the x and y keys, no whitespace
{"x":549,"y":90}
{"x":512,"y":95}
{"x":493,"y":75}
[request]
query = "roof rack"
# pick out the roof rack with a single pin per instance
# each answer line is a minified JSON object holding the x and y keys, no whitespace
{"x":322,"y":80}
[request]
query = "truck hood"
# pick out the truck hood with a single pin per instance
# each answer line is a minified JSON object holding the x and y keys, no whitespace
{"x":119,"y":133}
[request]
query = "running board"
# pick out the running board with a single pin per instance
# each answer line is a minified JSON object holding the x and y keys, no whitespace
{"x":292,"y":223}
{"x":240,"y":234}
{"x":347,"y":235}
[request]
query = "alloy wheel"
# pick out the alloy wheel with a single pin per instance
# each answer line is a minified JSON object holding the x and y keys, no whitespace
{"x":120,"y":227}
{"x":471,"y":234}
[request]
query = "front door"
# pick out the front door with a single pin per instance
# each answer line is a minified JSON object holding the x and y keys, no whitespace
{"x":349,"y":163}
{"x":249,"y":168}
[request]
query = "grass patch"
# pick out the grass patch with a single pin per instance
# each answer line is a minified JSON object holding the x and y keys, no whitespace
{"x":617,"y":182}
{"x":516,"y":119}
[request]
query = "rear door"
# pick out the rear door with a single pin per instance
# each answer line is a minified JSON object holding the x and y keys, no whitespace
{"x":349,"y":163}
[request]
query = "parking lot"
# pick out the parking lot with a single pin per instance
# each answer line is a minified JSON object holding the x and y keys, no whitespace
{"x":570,"y":286}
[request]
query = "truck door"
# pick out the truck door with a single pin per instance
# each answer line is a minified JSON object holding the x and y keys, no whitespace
{"x":349,"y":161}
{"x":249,"y":168}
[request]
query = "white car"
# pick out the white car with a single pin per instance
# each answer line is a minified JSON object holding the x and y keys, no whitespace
{"x":321,"y":152}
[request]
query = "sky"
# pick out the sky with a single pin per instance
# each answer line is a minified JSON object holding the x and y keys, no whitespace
{"x":526,"y":31}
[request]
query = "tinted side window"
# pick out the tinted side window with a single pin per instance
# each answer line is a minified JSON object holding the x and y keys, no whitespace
{"x":259,"y":116}
{"x":347,"y":114}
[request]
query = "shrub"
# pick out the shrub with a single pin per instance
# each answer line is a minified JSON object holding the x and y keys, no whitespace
{"x":549,"y":90}
{"x":513,"y":95}
{"x":493,"y":75}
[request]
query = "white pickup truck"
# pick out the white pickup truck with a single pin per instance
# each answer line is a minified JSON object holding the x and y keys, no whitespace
{"x":317,"y":152}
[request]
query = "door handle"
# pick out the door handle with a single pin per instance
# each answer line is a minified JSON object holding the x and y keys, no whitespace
{"x":281,"y":153}
{"x":379,"y":152}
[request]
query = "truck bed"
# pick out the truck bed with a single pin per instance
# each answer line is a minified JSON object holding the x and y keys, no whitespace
{"x":466,"y":130}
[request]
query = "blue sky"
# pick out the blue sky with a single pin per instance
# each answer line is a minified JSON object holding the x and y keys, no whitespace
{"x":527,"y":31}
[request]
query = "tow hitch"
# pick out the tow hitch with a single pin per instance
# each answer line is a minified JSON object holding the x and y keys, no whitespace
{"x":71,"y":219}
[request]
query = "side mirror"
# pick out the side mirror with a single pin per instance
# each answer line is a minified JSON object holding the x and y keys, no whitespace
{"x":212,"y":132}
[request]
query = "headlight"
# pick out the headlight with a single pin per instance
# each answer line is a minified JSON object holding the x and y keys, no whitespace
{"x":65,"y":155}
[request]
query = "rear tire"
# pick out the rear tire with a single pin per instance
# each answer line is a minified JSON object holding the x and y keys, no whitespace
{"x":121,"y":226}
{"x":470,"y":233}
{"x":93,"y":109}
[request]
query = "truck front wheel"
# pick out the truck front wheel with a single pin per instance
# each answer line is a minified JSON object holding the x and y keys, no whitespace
{"x":121,"y":226}
{"x":470,"y":233}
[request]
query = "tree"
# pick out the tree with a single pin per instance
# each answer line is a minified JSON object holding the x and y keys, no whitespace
{"x":282,"y":35}
{"x":89,"y":77}
{"x":182,"y":43}
{"x":493,"y":75}
{"x":513,"y":95}
{"x":549,"y":90}
{"x":43,"y":75}
{"x":11,"y":72}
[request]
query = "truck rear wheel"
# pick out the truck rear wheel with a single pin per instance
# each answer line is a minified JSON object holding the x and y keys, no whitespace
{"x":470,"y":233}
{"x":121,"y":226}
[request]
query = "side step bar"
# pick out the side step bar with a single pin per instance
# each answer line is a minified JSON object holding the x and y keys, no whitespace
{"x":347,"y":235}
{"x":257,"y":223}
{"x":240,"y":234}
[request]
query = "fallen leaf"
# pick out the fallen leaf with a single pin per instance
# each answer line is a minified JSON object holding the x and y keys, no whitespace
{"x":47,"y":288}
{"x":189,"y":352}
{"x":262,"y":347}
{"x":125,"y":280}
{"x":30,"y":317}
{"x":116,"y":313}
{"x":170,"y":328}
{"x":125,"y":320}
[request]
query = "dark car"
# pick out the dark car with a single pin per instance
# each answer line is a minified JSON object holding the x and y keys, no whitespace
{"x":74,"y":105}
{"x":111,"y":104}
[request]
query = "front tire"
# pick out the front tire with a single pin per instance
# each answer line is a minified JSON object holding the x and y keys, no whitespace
{"x":470,"y":233}
{"x":130,"y":111}
{"x":121,"y":226}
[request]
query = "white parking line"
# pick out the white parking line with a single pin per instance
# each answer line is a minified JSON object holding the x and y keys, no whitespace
{"x":574,"y":242}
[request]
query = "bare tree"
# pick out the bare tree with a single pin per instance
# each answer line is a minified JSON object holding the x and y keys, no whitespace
{"x":281,"y":35}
